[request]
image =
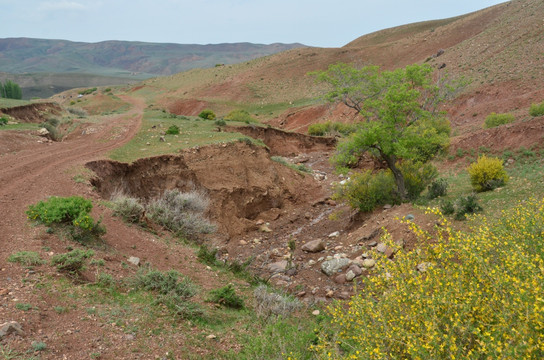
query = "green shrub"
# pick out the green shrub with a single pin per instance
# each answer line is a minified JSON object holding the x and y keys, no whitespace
{"x":240,"y":115}
{"x":493,"y":120}
{"x":537,"y":109}
{"x":220,"y":122}
{"x":173,"y":130}
{"x":226,"y":296}
{"x":207,"y":114}
{"x":87,"y":91}
{"x":182,"y":213}
{"x":417,"y":177}
{"x":365,"y":191}
{"x":104,"y":280}
{"x":298,"y":167}
{"x":3,"y":121}
{"x":38,"y":346}
{"x":70,"y":213}
{"x":24,"y":306}
{"x":207,"y":256}
{"x":447,"y":207}
{"x":332,"y":128}
{"x":54,"y":133}
{"x":437,"y":188}
{"x":81,"y":113}
{"x":59,"y":209}
{"x":72,"y":262}
{"x":128,"y":208}
{"x":487,"y":174}
{"x":26,"y":258}
{"x":467,"y":205}
{"x":165,"y":283}
{"x":319,"y":129}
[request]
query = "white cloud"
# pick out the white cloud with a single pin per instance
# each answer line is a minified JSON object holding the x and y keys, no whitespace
{"x":62,"y":5}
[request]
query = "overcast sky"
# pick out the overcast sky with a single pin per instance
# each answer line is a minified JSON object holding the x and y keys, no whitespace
{"x":324,"y":23}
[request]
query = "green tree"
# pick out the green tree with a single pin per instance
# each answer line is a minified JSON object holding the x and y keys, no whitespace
{"x":2,"y":93}
{"x":12,"y":90}
{"x":402,"y":119}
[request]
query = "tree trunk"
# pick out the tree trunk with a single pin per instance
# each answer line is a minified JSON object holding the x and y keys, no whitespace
{"x":399,"y":178}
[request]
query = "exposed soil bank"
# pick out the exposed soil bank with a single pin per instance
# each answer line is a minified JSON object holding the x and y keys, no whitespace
{"x":240,"y":179}
{"x":32,"y":113}
{"x":286,"y":143}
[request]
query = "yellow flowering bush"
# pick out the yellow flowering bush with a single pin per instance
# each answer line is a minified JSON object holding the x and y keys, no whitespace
{"x":462,"y":295}
{"x":487,"y":173}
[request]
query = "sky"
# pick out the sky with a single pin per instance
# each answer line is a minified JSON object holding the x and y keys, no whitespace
{"x":322,"y":23}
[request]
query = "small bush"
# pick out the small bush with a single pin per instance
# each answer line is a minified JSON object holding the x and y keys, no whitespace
{"x":72,"y":262}
{"x":332,"y":129}
{"x":240,"y":115}
{"x":70,"y":213}
{"x":207,"y":114}
{"x":220,"y":122}
{"x":493,"y":120}
{"x":54,"y":133}
{"x":487,"y":174}
{"x":26,"y":258}
{"x":467,"y":205}
{"x":447,"y":207}
{"x":207,"y":256}
{"x":416,"y":177}
{"x":437,"y":188}
{"x":226,"y":296}
{"x":537,"y":109}
{"x":87,"y":91}
{"x":128,"y":208}
{"x":3,"y":121}
{"x":271,"y":303}
{"x":81,"y":113}
{"x":38,"y":346}
{"x":105,"y":280}
{"x":298,"y":167}
{"x":182,"y":213}
{"x":173,"y":130}
{"x":365,"y":191}
{"x":24,"y":306}
{"x":165,"y":283}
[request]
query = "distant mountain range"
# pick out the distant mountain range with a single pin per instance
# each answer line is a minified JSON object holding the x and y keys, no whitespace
{"x":118,"y":60}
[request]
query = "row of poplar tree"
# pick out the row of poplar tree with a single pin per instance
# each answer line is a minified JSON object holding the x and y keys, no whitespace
{"x":10,"y":90}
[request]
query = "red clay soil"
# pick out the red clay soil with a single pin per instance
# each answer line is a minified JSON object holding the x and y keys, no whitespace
{"x":32,"y":113}
{"x":34,"y":172}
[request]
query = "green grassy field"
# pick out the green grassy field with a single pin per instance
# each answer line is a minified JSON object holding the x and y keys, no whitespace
{"x":193,"y":132}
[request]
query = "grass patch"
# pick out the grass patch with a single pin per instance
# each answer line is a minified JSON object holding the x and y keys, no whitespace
{"x":301,"y":168}
{"x":26,"y":258}
{"x":193,"y":132}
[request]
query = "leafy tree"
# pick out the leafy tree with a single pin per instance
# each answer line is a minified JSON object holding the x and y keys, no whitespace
{"x":350,"y":85}
{"x":402,"y":119}
{"x":11,"y":90}
{"x":2,"y":92}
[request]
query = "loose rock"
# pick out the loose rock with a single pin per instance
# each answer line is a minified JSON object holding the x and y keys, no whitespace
{"x":341,"y":279}
{"x":334,"y":234}
{"x":349,"y":276}
{"x":369,"y":263}
{"x":134,"y":260}
{"x":314,"y":246}
{"x":332,"y":266}
{"x":11,"y":327}
{"x":278,"y":266}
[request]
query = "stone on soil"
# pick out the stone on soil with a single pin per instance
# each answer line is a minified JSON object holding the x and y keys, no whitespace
{"x":332,"y":266}
{"x":314,"y":246}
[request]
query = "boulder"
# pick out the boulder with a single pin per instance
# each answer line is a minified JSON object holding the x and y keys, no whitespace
{"x":134,"y":260}
{"x":332,"y":266}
